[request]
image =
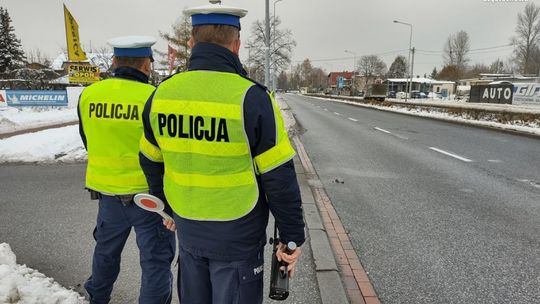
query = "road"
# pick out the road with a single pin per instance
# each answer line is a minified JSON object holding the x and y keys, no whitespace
{"x":437,"y":212}
{"x":48,"y":219}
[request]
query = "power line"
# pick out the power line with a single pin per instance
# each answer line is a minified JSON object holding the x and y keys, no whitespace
{"x":349,"y":58}
{"x":478,"y":50}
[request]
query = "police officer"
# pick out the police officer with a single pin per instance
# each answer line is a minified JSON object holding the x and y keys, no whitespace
{"x":215,"y":141}
{"x":110,"y":114}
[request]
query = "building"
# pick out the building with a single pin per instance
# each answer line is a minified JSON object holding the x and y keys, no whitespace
{"x":421,"y":84}
{"x":339,"y":83}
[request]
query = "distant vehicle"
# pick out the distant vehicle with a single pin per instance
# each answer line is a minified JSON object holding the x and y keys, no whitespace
{"x":401,"y":95}
{"x":376,"y":91}
{"x":418,"y":94}
{"x":391,"y":94}
{"x":434,"y":95}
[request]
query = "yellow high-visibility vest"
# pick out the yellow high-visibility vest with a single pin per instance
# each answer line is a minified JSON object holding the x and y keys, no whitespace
{"x":111,"y":114}
{"x":197,"y":120}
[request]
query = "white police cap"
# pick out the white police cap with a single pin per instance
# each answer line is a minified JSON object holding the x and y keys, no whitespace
{"x":132,"y":46}
{"x":215,"y":14}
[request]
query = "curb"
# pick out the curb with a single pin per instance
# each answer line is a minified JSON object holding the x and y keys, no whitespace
{"x":36,"y":129}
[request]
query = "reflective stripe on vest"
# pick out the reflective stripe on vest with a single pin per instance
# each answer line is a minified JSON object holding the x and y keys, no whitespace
{"x":281,"y":152}
{"x":197,"y":120}
{"x":111,"y":112}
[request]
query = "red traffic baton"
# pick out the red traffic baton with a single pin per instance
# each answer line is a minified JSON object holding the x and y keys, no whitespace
{"x":151,"y":203}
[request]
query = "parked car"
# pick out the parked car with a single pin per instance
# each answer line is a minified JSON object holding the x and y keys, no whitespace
{"x":391,"y":94}
{"x":418,"y":94}
{"x":401,"y":95}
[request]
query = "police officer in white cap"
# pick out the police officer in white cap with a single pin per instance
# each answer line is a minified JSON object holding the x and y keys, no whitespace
{"x":225,"y":159}
{"x":111,"y":127}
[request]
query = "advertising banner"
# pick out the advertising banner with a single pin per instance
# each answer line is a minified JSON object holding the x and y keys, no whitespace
{"x":83,"y":73}
{"x":527,"y":93}
{"x":16,"y":98}
{"x":75,"y":51}
{"x":3,"y":99}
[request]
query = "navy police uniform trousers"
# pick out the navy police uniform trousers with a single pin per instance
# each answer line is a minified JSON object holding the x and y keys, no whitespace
{"x":202,"y":280}
{"x":156,"y":249}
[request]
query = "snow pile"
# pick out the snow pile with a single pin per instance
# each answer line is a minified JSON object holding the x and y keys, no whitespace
{"x":52,"y":145}
{"x":23,"y":285}
{"x":14,"y":119}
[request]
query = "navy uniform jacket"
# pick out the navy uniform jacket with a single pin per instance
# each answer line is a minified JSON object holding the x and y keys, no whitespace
{"x":123,"y":73}
{"x":279,"y":191}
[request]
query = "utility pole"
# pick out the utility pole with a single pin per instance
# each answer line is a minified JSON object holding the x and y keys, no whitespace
{"x":412,"y":66}
{"x":267,"y":44}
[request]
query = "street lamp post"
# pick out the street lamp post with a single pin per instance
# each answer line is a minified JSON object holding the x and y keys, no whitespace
{"x":267,"y":45}
{"x":274,"y":47}
{"x":353,"y":70}
{"x":410,"y":79}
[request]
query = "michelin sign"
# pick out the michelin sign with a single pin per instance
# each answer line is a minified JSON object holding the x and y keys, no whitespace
{"x":527,"y":93}
{"x":36,"y":98}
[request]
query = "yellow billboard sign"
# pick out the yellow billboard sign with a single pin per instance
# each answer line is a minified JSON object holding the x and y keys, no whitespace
{"x":83,"y":73}
{"x":75,"y":51}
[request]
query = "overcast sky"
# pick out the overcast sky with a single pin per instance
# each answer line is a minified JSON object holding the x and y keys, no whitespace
{"x":323,"y":29}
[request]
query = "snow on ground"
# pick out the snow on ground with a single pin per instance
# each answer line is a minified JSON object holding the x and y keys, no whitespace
{"x":52,"y":145}
{"x":14,"y":119}
{"x":22,"y":285}
{"x":288,"y":117}
{"x":530,"y":128}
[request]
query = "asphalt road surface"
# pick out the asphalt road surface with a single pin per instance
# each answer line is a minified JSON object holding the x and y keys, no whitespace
{"x":48,"y":219}
{"x":437,"y":212}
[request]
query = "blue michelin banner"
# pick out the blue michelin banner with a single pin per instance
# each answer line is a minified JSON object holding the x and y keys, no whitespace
{"x":16,"y":98}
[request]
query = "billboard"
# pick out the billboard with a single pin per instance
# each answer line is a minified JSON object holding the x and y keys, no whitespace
{"x":83,"y":73}
{"x":494,"y":93}
{"x":527,"y":93}
{"x":16,"y":98}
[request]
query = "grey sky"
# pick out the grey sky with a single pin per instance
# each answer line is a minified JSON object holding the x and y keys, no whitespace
{"x":323,"y":29}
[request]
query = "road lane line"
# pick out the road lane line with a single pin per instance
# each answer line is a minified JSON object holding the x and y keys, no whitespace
{"x":451,"y":154}
{"x":382,"y":130}
{"x":352,"y":119}
{"x":337,"y":113}
{"x":326,"y":109}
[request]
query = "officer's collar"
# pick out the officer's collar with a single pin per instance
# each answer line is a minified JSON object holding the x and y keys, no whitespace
{"x":130,"y":73}
{"x":213,"y":57}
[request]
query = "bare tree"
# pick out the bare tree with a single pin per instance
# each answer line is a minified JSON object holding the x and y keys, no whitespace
{"x":36,"y":56}
{"x":526,"y":40}
{"x":371,"y":65}
{"x":306,"y":70}
{"x":282,"y":45}
{"x":181,"y":32}
{"x":456,"y":49}
{"x":103,"y":59}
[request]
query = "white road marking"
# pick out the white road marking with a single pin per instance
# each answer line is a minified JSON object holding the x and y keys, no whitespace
{"x":337,"y":113}
{"x":451,"y":154}
{"x":382,"y":130}
{"x":530,"y":182}
{"x":352,"y":119}
{"x":326,"y":109}
{"x":494,"y":160}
